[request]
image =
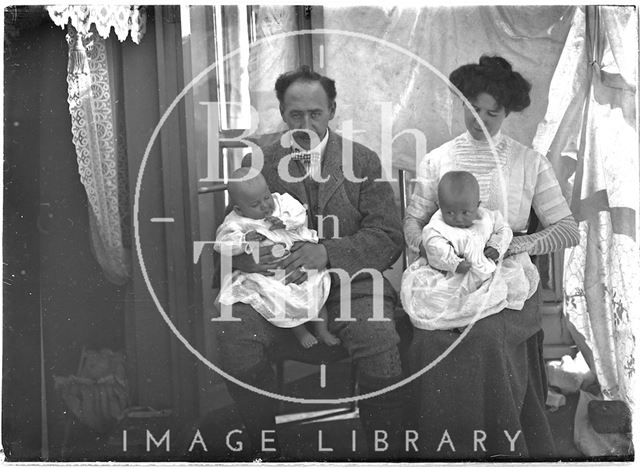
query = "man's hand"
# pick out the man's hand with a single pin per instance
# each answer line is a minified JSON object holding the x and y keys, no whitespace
{"x":276,"y":223}
{"x":253,"y":236}
{"x":246,"y":263}
{"x":463,"y":267}
{"x":304,"y":256}
{"x":491,"y":253}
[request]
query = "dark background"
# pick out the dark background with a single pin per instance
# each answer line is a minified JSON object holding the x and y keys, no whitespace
{"x":56,"y":300}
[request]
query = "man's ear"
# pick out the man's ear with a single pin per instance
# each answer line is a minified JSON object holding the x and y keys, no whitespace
{"x":281,"y":107}
{"x":332,"y":110}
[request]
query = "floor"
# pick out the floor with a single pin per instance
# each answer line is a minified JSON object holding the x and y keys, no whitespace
{"x":299,"y":442}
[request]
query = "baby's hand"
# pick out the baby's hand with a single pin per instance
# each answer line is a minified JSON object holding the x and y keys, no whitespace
{"x":491,"y":253}
{"x":253,"y":236}
{"x":463,"y":267}
{"x":276,"y":223}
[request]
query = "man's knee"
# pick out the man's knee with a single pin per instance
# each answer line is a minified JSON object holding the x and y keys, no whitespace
{"x":242,"y":343}
{"x":378,"y":335}
{"x":374,"y":347}
{"x":381,"y":361}
{"x":362,"y":306}
{"x":366,"y":333}
{"x":247,"y":325}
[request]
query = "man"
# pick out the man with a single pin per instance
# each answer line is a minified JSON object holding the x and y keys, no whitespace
{"x":359,"y":228}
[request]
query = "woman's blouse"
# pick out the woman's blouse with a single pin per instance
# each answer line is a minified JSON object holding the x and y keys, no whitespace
{"x":512,"y":180}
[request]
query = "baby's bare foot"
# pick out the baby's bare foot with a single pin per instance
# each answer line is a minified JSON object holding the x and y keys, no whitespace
{"x":304,"y":336}
{"x":307,"y":340}
{"x":328,"y":338}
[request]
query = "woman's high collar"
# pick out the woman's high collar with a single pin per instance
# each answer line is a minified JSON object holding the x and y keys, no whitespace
{"x":497,"y":138}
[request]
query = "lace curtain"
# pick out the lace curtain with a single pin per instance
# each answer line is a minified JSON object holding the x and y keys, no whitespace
{"x":124,"y":19}
{"x":590,"y":128}
{"x":97,"y":125}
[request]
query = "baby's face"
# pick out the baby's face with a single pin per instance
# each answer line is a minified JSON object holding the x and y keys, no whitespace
{"x":254,"y":201}
{"x":460,"y":212}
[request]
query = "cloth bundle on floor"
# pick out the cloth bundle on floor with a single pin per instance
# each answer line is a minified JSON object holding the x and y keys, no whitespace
{"x":98,"y":394}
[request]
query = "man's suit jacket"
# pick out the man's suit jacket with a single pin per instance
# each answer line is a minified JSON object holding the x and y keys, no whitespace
{"x":369,"y":225}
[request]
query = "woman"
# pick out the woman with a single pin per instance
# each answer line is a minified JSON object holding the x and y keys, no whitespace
{"x":485,"y":398}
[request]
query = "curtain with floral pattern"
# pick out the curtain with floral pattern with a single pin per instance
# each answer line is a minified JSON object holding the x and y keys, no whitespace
{"x":590,"y":131}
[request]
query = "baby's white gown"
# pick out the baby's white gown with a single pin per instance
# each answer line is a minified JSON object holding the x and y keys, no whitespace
{"x":440,"y":299}
{"x":283,"y":305}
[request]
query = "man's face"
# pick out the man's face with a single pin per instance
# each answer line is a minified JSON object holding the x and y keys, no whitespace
{"x":306,"y":106}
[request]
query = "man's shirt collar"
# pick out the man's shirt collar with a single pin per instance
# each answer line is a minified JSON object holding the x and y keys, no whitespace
{"x":320,"y":148}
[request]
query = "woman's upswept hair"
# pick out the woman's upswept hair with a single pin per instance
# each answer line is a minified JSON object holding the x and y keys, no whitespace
{"x":494,"y":76}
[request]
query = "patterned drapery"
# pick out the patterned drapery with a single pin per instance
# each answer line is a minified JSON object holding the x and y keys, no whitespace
{"x":124,"y":19}
{"x":99,"y":141}
{"x":97,"y":125}
{"x":591,"y":118}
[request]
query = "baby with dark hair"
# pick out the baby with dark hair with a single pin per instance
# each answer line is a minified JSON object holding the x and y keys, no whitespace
{"x":464,"y":276}
{"x":262,"y":219}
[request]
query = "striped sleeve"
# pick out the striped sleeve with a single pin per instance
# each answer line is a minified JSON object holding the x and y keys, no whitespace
{"x":548,"y":202}
{"x":559,"y":228}
{"x":562,"y":234}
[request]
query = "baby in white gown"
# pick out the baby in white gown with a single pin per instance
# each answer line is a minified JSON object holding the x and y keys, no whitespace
{"x":260,"y":218}
{"x":464,"y":276}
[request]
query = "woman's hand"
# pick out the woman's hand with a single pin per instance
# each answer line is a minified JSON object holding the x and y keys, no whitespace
{"x":463,"y":267}
{"x":491,"y":253}
{"x":518,"y":244}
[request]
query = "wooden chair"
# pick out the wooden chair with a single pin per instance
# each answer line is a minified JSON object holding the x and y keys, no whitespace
{"x":404,"y":189}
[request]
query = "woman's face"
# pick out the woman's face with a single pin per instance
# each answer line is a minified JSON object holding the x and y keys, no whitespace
{"x":490,"y":112}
